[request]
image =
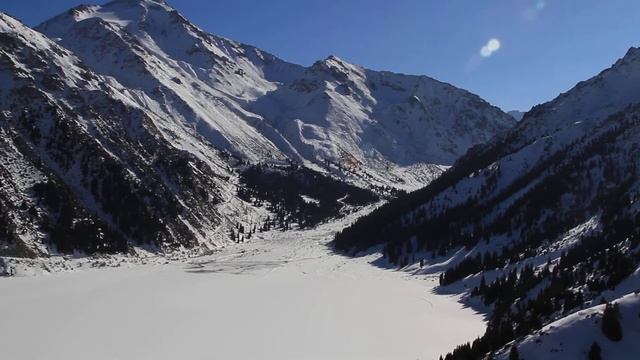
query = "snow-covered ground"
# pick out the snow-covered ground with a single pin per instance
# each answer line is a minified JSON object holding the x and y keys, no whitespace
{"x":280,"y":296}
{"x":572,"y":336}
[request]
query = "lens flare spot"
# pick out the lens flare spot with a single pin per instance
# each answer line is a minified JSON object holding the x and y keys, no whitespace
{"x":493,"y":45}
{"x":490,"y":47}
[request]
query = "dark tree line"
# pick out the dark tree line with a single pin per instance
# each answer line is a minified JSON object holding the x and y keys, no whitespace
{"x":121,"y":181}
{"x":564,"y":190}
{"x":564,"y":172}
{"x":72,"y":228}
{"x":281,"y":189}
{"x":514,"y":316}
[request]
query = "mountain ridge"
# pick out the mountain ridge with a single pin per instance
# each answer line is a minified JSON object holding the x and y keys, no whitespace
{"x":313,"y":138}
{"x":531,"y":223}
{"x":188,"y":123}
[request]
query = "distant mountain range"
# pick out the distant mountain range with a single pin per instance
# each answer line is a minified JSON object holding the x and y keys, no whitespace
{"x":125,"y":124}
{"x":518,"y":115}
{"x":389,"y":128}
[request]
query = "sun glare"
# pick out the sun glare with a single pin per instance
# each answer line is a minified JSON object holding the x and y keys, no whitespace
{"x":490,"y":47}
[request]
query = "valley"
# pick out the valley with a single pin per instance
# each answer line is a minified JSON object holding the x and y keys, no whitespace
{"x":282,"y":295}
{"x":169,"y":193}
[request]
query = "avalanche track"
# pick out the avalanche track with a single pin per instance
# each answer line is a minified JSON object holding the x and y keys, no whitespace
{"x":284,"y":295}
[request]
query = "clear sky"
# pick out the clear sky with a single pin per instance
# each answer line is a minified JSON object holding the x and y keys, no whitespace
{"x":539,"y":48}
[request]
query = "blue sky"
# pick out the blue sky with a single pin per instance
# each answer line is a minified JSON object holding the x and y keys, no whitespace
{"x":543,"y":47}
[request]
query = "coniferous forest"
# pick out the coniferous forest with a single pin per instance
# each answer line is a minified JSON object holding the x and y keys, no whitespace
{"x":298,"y":195}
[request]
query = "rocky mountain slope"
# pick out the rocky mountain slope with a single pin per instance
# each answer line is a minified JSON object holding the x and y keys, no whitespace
{"x":125,"y":126}
{"x":84,"y":168}
{"x":518,"y":115}
{"x":372,"y":127}
{"x":536,"y":223}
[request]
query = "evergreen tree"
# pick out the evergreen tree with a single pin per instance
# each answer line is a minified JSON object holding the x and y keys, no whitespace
{"x":595,"y":352}
{"x":513,"y":354}
{"x":611,"y":323}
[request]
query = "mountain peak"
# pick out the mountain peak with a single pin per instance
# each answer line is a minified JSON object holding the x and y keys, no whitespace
{"x":633,"y":50}
{"x":8,"y":23}
{"x":336,"y":67}
{"x":333,"y":58}
{"x":146,"y":2}
{"x":119,"y":13}
{"x":633,"y":54}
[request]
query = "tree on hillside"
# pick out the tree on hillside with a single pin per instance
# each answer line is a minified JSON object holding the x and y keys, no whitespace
{"x":513,"y":354}
{"x":611,"y":326}
{"x":595,"y":352}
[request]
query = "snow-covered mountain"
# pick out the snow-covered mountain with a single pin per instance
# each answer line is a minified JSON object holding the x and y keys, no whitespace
{"x":535,"y":223}
{"x":85,"y":168}
{"x":125,"y":127}
{"x":373,"y":127}
{"x":574,"y":336}
{"x":126,"y":124}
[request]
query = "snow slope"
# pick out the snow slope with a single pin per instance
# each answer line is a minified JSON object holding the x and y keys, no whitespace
{"x":88,"y":167}
{"x":571,"y":149}
{"x":142,"y":120}
{"x":284,"y":295}
{"x":546,"y":213}
{"x":372,"y":127}
{"x":572,"y":336}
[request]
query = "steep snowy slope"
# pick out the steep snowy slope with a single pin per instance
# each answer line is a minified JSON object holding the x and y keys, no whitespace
{"x":573,"y":336}
{"x":83,"y":168}
{"x":194,"y":80}
{"x":373,"y":127}
{"x":545,"y":216}
{"x":126,"y":124}
{"x":596,"y":121}
{"x":379,"y":123}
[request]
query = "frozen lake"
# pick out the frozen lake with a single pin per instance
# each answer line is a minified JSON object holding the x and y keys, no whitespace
{"x":281,"y":296}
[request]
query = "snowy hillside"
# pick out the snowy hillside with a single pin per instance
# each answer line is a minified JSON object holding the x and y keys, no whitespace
{"x":544,"y":216}
{"x":124,"y":124}
{"x":572,"y":337}
{"x":84,"y":168}
{"x":372,"y":127}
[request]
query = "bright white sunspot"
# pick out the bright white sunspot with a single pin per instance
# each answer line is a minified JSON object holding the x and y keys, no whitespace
{"x":490,"y":47}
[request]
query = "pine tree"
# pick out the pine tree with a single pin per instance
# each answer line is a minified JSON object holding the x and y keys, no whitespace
{"x":513,"y":354}
{"x":611,"y":323}
{"x":595,"y":352}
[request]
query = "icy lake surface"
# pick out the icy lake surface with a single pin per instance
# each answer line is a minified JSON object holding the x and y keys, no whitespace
{"x":280,"y":296}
